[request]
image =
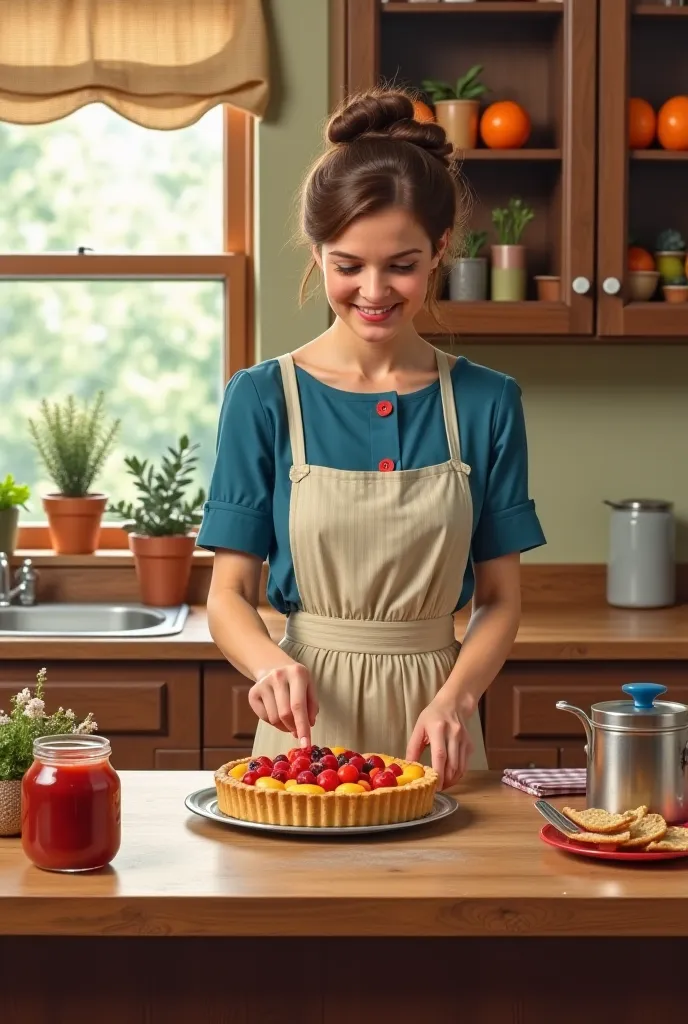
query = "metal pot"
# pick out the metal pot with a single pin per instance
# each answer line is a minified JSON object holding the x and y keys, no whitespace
{"x":637,"y":752}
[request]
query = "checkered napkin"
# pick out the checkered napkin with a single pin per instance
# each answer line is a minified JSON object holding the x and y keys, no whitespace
{"x":546,"y":781}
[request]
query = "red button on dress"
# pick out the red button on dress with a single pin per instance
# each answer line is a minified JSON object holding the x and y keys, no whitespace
{"x":384,"y":408}
{"x":386,"y":466}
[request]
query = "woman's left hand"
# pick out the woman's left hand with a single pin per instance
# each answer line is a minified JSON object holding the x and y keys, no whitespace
{"x":440,"y":726}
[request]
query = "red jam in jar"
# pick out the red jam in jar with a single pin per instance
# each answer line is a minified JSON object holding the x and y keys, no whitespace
{"x":71,"y":804}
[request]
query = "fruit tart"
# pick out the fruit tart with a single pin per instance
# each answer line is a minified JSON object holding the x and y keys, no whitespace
{"x":325,"y":787}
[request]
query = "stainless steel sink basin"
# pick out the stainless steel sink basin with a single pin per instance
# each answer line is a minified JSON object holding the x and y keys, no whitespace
{"x":109,"y":620}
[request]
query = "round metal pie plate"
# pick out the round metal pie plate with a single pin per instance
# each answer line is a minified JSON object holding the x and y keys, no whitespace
{"x":204,"y":802}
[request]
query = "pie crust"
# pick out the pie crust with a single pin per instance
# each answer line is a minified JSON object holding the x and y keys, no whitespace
{"x":383,"y":806}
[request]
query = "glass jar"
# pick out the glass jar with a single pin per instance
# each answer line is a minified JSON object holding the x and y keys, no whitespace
{"x":71,"y":804}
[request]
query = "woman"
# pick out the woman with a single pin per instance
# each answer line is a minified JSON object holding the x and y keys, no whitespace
{"x":346,"y":465}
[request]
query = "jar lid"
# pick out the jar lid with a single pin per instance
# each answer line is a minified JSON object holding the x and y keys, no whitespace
{"x":642,"y":712}
{"x":644,"y":504}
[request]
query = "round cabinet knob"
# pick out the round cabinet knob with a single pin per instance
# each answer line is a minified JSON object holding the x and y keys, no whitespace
{"x":611,"y":285}
{"x":581,"y":285}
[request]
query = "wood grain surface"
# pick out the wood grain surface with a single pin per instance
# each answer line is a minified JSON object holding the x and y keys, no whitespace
{"x":482,"y":872}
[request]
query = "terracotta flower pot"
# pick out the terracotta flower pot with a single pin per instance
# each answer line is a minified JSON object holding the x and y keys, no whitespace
{"x":548,"y":288}
{"x":9,"y":528}
{"x":459,"y":118}
{"x":675,"y":293}
{"x":74,"y":523}
{"x":163,"y":567}
{"x":508,"y":273}
{"x":10,"y":808}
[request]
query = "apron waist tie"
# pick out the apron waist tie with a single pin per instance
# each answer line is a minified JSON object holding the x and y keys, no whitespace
{"x":371,"y":636}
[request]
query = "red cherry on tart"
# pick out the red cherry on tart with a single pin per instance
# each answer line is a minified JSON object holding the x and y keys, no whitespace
{"x":316,"y":767}
{"x":383,"y":779}
{"x":262,"y":772}
{"x":357,"y":761}
{"x":306,"y":778}
{"x":347,"y":773}
{"x":329,"y":780}
{"x":376,"y":761}
{"x":281,"y":776}
{"x":250,"y":779}
{"x":329,"y":761}
{"x":301,"y":764}
{"x":281,"y":759}
{"x":395,"y":769}
{"x":326,"y":752}
{"x":265,"y":760}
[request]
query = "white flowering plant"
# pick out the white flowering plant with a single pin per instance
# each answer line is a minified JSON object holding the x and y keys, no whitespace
{"x":26,"y":721}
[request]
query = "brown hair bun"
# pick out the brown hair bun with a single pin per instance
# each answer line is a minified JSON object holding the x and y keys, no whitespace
{"x":389,"y":114}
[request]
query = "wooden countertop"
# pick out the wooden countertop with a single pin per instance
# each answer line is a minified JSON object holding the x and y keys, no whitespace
{"x":481,"y":872}
{"x":548,"y":632}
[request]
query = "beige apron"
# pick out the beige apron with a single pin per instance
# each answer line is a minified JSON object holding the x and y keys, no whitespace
{"x":379,"y":559}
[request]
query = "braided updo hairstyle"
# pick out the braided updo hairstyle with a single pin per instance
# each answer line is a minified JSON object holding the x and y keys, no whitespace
{"x":377,"y":156}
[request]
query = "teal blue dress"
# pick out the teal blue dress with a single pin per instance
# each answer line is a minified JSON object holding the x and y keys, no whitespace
{"x":248,"y":500}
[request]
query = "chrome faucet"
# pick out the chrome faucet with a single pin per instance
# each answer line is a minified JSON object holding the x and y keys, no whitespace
{"x":25,"y":579}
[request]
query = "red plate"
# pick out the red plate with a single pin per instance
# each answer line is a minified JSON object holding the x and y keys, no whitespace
{"x":550,"y":835}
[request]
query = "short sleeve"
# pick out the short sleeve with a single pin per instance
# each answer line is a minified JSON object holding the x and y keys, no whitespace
{"x":238,"y":512}
{"x":508,"y":521}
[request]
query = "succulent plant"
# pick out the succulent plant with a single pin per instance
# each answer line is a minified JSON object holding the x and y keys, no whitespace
{"x":472,"y":243}
{"x":511,"y":222}
{"x":670,"y":241}
{"x":468,"y":87}
{"x":679,"y":281}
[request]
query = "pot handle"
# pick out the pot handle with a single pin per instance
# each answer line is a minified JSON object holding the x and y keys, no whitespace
{"x":643,"y":694}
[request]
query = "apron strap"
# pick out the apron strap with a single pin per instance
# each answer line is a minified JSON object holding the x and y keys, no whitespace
{"x":451,"y":422}
{"x":291,"y":395}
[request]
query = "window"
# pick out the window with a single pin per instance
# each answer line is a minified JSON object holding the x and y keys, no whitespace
{"x":122,"y":266}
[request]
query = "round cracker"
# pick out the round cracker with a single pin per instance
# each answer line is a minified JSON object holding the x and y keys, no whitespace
{"x":675,"y":839}
{"x":647,"y":829}
{"x":599,"y":838}
{"x":593,"y":819}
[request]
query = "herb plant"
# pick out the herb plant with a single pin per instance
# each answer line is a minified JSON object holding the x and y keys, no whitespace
{"x":472,"y":243}
{"x":469,"y":87}
{"x":12,"y":493}
{"x":511,"y":222}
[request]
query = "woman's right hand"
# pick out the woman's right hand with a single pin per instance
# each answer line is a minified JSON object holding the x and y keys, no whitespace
{"x":285,"y":698}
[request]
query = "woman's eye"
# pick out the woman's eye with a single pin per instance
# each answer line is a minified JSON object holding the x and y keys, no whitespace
{"x":347,"y":270}
{"x":404,"y":268}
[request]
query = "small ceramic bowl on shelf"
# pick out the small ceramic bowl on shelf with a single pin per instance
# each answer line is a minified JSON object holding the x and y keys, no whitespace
{"x":642,"y":284}
{"x":548,"y":288}
{"x":675,"y":293}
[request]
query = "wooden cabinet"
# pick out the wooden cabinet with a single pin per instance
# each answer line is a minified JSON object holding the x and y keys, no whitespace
{"x":522,"y":725}
{"x":149,"y":710}
{"x":573,"y":64}
{"x":229,"y":724}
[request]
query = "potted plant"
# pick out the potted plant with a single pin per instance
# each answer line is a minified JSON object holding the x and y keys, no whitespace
{"x":27,"y":721}
{"x":457,"y":107}
{"x":509,"y":256}
{"x":13,"y":496}
{"x":73,"y":443}
{"x":161,"y":525}
{"x":670,"y":255}
{"x":468,"y":276}
{"x":676,"y":289}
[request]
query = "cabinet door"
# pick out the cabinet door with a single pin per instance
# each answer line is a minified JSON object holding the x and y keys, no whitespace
{"x":542,"y":55}
{"x":228,"y":722}
{"x":150,"y":711}
{"x":641,"y":191}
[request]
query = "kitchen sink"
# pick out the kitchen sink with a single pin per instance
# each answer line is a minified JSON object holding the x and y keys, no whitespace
{"x":63,"y":619}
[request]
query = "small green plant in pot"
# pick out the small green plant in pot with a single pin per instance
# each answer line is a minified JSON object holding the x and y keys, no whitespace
{"x":468,"y":276}
{"x":670,"y":255}
{"x":509,"y":256}
{"x":162,"y":523}
{"x":457,"y":107}
{"x":73,"y":441}
{"x":25,"y":722}
{"x":13,"y":496}
{"x":676,"y":289}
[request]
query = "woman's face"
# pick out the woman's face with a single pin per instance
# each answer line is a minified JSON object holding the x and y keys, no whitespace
{"x":376,"y":273}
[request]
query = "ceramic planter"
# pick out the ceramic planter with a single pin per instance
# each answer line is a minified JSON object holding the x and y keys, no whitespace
{"x":9,"y":528}
{"x":163,"y":567}
{"x":459,"y":118}
{"x":10,"y":808}
{"x":508,"y":275}
{"x":548,"y":288}
{"x":74,"y":523}
{"x":468,"y":280}
{"x":670,"y":265}
{"x":675,"y":293}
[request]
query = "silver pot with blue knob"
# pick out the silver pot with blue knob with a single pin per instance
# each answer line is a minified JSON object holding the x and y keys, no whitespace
{"x":637,"y":752}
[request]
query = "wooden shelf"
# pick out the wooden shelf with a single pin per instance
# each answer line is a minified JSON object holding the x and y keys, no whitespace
{"x":478,"y":7}
{"x":511,"y":154}
{"x":657,"y":320}
{"x":494,"y":318}
{"x":656,"y":11}
{"x":670,"y":155}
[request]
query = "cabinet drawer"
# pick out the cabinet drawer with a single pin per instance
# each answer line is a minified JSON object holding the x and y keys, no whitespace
{"x":150,"y":711}
{"x":522,"y":757}
{"x":227,"y":717}
{"x":521,"y":703}
{"x":573,"y":757}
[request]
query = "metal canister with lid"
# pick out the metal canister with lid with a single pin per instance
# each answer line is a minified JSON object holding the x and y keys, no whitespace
{"x":637,"y":752}
{"x":641,"y":571}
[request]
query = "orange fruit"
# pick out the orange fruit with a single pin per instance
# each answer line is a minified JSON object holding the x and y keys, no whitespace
{"x":414,"y":771}
{"x":505,"y":125}
{"x":422,"y":112}
{"x":642,"y":124}
{"x":265,"y":782}
{"x":640,"y":259}
{"x":672,"y":123}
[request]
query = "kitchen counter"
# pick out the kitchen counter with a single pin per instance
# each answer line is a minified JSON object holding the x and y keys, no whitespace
{"x":194,"y":920}
{"x":554,"y":631}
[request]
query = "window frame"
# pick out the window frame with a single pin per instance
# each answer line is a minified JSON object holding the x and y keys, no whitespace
{"x":233,"y":266}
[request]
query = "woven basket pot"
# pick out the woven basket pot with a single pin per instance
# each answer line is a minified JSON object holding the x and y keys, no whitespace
{"x":10,"y":808}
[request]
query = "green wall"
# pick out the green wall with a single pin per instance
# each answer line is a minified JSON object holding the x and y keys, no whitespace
{"x":603,"y":421}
